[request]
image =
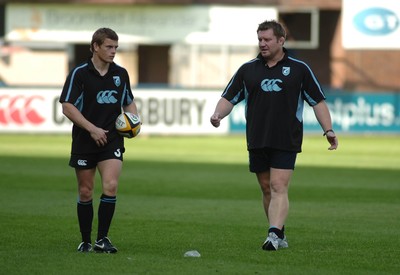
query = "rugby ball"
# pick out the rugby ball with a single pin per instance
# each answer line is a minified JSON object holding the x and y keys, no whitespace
{"x":128,"y":125}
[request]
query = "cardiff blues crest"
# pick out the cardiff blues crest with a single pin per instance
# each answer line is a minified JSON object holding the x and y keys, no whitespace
{"x":117,"y":81}
{"x":285,"y":71}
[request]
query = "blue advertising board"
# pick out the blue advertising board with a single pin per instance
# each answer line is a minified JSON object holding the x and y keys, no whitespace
{"x":351,"y":113}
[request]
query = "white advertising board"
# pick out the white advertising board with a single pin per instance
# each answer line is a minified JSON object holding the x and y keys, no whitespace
{"x":371,"y":24}
{"x":151,"y":24}
{"x":162,"y":112}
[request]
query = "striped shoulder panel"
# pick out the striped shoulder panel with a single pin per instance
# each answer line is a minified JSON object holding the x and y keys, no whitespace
{"x":310,"y":71}
{"x":71,"y":81}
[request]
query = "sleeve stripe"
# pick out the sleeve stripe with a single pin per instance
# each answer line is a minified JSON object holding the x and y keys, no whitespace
{"x":72,"y":80}
{"x":312,"y":74}
{"x":232,"y":80}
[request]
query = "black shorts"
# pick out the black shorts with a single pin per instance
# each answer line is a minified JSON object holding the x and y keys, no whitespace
{"x":261,"y":160}
{"x":89,"y":161}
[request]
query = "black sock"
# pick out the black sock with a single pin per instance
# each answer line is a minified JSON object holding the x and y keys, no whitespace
{"x":277,"y":231}
{"x":105,"y":214}
{"x":85,"y":218}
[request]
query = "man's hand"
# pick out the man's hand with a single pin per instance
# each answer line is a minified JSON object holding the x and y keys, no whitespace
{"x":332,"y":139}
{"x":99,"y":136}
{"x":215,"y":120}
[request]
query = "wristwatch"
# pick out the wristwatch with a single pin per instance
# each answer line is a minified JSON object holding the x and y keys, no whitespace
{"x":327,"y":131}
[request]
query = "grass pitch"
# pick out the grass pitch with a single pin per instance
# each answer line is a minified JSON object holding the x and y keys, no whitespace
{"x":195,"y":193}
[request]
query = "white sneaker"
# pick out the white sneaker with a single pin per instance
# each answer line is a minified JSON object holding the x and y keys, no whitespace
{"x":273,"y":242}
{"x":283,"y":243}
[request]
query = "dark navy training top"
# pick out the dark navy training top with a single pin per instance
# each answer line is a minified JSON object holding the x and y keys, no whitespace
{"x":99,"y":99}
{"x":274,"y":99}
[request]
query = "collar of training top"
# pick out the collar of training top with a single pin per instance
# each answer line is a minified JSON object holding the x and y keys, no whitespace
{"x":91,"y":67}
{"x":259,"y":56}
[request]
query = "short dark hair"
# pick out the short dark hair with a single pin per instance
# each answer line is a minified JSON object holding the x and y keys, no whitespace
{"x":100,"y":35}
{"x":279,"y":30}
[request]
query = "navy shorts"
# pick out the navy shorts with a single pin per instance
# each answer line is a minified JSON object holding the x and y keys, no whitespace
{"x":261,"y":160}
{"x":89,"y":161}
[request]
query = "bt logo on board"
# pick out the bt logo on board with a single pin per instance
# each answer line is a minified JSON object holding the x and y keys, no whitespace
{"x":376,"y":21}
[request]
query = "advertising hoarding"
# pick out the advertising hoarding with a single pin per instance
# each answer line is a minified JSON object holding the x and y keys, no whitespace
{"x":371,"y":24}
{"x":165,"y":111}
{"x":140,"y":24}
{"x":162,"y":111}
